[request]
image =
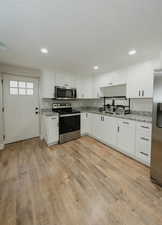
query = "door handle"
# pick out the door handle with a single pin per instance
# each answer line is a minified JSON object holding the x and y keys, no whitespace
{"x":118,"y":128}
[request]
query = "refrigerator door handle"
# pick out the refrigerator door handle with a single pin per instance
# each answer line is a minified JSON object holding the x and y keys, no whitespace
{"x":159,"y":115}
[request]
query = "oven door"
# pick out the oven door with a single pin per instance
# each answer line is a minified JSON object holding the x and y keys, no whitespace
{"x":69,"y":123}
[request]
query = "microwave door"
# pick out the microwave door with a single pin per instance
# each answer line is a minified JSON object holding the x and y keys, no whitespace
{"x":60,"y":92}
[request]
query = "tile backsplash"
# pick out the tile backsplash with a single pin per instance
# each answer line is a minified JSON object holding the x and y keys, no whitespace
{"x":144,"y":105}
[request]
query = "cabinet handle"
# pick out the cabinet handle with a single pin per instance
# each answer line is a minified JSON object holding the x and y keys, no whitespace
{"x":86,"y":115}
{"x":139,"y":93}
{"x":110,"y":83}
{"x":143,"y":92}
{"x":53,"y":118}
{"x":103,"y":118}
{"x":144,"y":139}
{"x":118,"y":129}
{"x":125,"y":122}
{"x":143,"y":153}
{"x":145,"y":127}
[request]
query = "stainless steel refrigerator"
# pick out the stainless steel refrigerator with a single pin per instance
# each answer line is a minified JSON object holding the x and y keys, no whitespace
{"x":156,"y":152}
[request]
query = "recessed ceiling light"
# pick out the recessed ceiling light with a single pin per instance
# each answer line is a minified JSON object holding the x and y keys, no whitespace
{"x":132,"y":52}
{"x":96,"y":67}
{"x":44,"y":50}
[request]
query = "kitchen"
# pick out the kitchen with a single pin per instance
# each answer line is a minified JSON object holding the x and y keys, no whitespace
{"x":105,"y":126}
{"x":81,"y":118}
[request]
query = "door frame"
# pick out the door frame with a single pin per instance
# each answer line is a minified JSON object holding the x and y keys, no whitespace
{"x":2,"y":76}
{"x":1,"y":114}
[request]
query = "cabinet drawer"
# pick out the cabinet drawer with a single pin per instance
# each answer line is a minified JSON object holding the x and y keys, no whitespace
{"x":143,"y":148}
{"x":143,"y":129}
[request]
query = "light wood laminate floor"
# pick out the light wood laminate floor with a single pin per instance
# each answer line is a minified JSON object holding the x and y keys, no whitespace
{"x":82,"y":182}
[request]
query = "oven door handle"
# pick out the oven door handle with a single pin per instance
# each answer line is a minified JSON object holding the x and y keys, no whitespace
{"x":73,"y":114}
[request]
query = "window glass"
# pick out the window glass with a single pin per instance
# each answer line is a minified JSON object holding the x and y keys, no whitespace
{"x":13,"y":91}
{"x":21,"y":88}
{"x":22,"y":91}
{"x":13,"y":83}
{"x":29,"y":85}
{"x":29,"y":91}
{"x":21,"y":84}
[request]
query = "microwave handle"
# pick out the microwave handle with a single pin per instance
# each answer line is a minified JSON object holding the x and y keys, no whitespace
{"x":74,"y":93}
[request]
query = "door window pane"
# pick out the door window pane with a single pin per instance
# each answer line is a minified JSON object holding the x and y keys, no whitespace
{"x":22,"y":91}
{"x":29,"y":85}
{"x":21,"y":84}
{"x":13,"y":91}
{"x":21,"y":88}
{"x":29,"y":91}
{"x":13,"y":83}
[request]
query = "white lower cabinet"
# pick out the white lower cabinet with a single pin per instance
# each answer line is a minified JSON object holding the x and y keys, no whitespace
{"x":143,"y":142}
{"x":110,"y":130}
{"x":126,"y":136}
{"x":97,"y":126}
{"x":86,"y":123}
{"x":104,"y":128}
{"x":50,"y":129}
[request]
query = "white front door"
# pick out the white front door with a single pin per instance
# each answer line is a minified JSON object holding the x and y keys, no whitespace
{"x":21,"y":106}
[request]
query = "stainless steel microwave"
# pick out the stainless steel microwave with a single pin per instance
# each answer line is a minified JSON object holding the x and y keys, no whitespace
{"x":65,"y":93}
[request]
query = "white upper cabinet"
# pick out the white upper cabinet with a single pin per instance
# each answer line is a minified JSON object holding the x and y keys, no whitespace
{"x":107,"y":80}
{"x":85,"y":87}
{"x":50,"y":79}
{"x":47,"y":83}
{"x":65,"y":80}
{"x":140,"y":81}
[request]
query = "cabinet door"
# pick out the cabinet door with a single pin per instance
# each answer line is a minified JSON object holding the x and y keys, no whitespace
{"x":97,"y":126}
{"x":85,"y":87}
{"x":83,"y":123}
{"x":126,"y":136}
{"x":52,"y":130}
{"x":65,"y":79}
{"x":86,"y":123}
{"x":47,"y":84}
{"x":110,"y":130}
{"x":140,"y":81}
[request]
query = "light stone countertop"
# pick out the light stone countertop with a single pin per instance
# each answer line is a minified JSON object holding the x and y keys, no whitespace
{"x":132,"y":116}
{"x":136,"y":117}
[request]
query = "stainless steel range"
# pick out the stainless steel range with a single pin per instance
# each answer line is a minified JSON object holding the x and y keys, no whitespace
{"x":69,"y":122}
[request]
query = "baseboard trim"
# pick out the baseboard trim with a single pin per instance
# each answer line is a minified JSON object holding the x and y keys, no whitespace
{"x":1,"y":146}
